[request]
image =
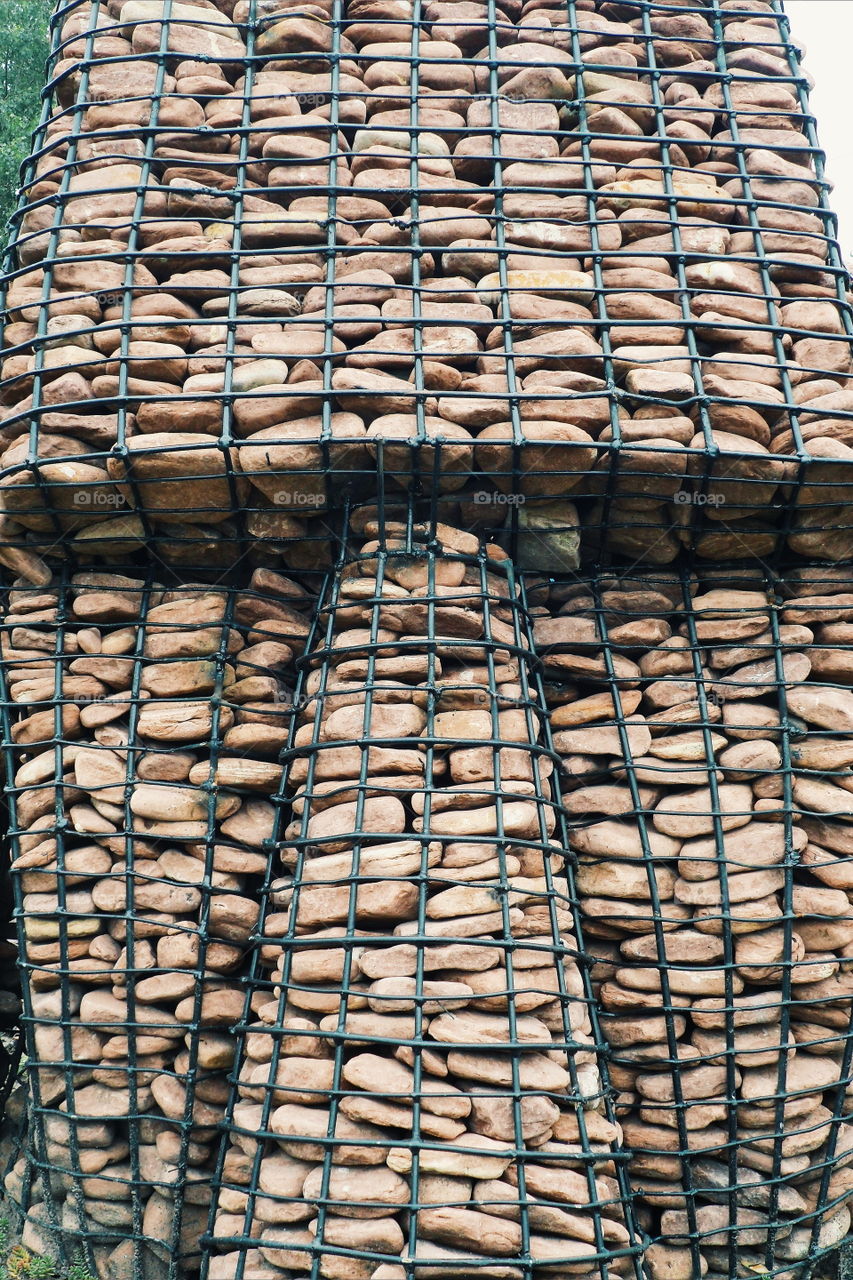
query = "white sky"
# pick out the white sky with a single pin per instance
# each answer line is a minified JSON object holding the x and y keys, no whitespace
{"x":825,"y":29}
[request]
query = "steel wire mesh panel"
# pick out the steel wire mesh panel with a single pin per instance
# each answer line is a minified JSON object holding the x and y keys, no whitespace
{"x":419,"y":1088}
{"x":561,"y":274}
{"x":564,"y":266}
{"x":142,"y":726}
{"x":704,"y":728}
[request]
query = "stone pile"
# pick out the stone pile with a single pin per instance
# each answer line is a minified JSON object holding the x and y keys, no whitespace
{"x":420,"y":1094}
{"x":146,"y":725}
{"x":364,"y":239}
{"x":559,"y":270}
{"x":706,"y":736}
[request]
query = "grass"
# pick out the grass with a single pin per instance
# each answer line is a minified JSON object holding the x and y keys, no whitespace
{"x":18,"y":1263}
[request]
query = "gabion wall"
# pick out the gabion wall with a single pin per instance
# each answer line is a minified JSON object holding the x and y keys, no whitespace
{"x":578,"y":254}
{"x":423,"y":462}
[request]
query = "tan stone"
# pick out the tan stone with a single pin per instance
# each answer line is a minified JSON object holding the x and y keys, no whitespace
{"x":690,"y":813}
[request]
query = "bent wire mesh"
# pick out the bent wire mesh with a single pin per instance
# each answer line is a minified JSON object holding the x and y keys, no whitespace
{"x":562,"y":275}
{"x":420,"y":1089}
{"x":562,"y":269}
{"x":704,"y":729}
{"x":141,"y":729}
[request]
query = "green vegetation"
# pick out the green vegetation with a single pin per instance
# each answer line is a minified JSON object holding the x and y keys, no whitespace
{"x":23,"y":51}
{"x":79,"y":1271}
{"x":29,"y":1267}
{"x":17,"y":1263}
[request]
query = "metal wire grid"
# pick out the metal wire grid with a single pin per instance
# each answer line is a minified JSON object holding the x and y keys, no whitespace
{"x":722,"y":960}
{"x":617,"y":485}
{"x":288,"y":1194}
{"x":639,"y":494}
{"x":114,"y":898}
{"x":608,"y":603}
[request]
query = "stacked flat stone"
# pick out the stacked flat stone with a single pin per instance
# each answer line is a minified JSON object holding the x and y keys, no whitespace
{"x":705,"y":734}
{"x":420,"y":1094}
{"x":579,"y":256}
{"x":562,"y":267}
{"x":145,"y":728}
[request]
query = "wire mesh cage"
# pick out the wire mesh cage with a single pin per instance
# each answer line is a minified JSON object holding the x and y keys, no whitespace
{"x":141,"y":727}
{"x":704,"y":729}
{"x":457,"y":1052}
{"x":420,"y":1087}
{"x":566,"y":264}
{"x":527,"y":894}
